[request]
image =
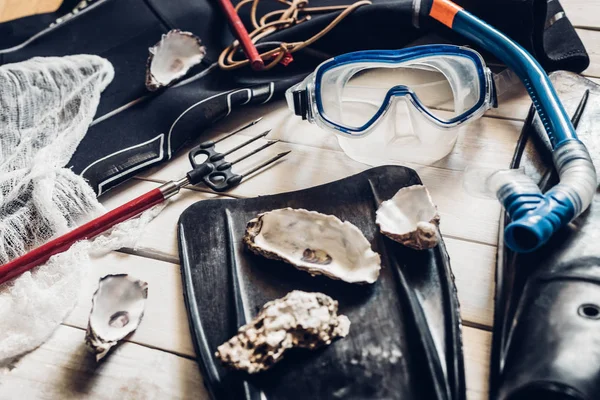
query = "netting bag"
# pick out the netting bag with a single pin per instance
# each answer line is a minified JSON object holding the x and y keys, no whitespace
{"x":46,"y":107}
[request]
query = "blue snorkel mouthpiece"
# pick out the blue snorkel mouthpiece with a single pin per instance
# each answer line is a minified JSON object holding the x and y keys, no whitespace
{"x":535,"y":216}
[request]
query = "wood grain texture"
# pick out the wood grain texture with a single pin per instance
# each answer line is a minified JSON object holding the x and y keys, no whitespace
{"x":165,"y":324}
{"x":582,"y":13}
{"x":591,"y":41}
{"x":12,"y":9}
{"x":62,"y":368}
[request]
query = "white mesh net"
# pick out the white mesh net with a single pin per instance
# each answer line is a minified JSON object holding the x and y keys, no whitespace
{"x":46,"y":107}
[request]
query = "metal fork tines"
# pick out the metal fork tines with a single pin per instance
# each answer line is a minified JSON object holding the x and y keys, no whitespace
{"x":216,"y":172}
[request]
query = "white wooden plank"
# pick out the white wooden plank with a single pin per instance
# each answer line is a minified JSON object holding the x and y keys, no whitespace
{"x":12,"y":9}
{"x":62,"y":368}
{"x":477,"y":346}
{"x":474,"y":266}
{"x":165,"y":323}
{"x":582,"y":13}
{"x":591,"y":41}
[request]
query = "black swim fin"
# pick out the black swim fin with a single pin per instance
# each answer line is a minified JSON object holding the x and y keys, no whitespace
{"x":547,"y":313}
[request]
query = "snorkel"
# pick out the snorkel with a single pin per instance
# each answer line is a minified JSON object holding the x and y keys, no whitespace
{"x":535,"y":216}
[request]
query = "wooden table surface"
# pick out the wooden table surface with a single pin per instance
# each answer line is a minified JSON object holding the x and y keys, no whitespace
{"x":158,"y":361}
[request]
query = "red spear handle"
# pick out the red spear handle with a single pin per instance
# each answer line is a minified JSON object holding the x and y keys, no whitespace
{"x":62,"y":243}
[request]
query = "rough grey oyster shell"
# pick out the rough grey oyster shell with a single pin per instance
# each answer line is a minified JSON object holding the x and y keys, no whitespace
{"x":298,"y":320}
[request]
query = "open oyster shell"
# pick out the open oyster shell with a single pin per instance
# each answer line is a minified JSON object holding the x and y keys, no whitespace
{"x":410,"y":218}
{"x":316,"y":243}
{"x":172,"y":57}
{"x":300,"y":319}
{"x":117,"y":310}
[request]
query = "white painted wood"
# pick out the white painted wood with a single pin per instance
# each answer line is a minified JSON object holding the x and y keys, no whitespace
{"x":165,"y":323}
{"x":473,"y":265}
{"x":591,"y":41}
{"x":62,"y":368}
{"x":477,"y":345}
{"x":582,"y":13}
{"x":161,"y":235}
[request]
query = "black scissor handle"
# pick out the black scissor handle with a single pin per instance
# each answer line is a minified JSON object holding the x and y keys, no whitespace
{"x":220,"y":181}
{"x":219,"y":176}
{"x":206,"y":149}
{"x":214,"y":171}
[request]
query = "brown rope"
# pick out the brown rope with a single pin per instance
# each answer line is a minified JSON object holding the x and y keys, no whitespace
{"x":278,"y":20}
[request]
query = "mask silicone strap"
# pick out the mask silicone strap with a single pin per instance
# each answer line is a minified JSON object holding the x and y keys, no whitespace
{"x":535,"y":216}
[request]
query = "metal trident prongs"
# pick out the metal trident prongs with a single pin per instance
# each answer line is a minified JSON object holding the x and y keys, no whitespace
{"x":214,"y":171}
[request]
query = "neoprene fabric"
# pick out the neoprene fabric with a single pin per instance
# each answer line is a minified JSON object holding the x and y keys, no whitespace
{"x":547,"y":303}
{"x":151,"y":130}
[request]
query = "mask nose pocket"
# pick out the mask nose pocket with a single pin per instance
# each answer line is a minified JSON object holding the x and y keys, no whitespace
{"x":402,"y":135}
{"x":401,"y":125}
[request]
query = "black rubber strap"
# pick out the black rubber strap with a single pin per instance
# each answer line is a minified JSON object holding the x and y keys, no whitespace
{"x":301,"y":103}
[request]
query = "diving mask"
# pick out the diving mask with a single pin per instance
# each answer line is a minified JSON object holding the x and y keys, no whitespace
{"x":407,"y":104}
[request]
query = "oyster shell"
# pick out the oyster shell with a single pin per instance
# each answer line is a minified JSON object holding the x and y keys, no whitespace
{"x":172,"y":57}
{"x":300,"y":319}
{"x":313,"y":242}
{"x":410,"y":218}
{"x":117,"y":310}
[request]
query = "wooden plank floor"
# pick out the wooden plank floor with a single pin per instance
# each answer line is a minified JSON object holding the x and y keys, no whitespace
{"x":158,"y":360}
{"x":12,"y":9}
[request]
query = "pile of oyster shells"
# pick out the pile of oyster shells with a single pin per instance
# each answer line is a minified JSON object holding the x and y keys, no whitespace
{"x":321,"y":245}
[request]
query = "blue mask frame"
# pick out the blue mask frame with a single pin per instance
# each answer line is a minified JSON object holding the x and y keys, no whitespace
{"x":306,"y":101}
{"x":486,"y":86}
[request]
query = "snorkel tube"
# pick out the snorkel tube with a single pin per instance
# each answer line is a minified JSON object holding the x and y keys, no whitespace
{"x":535,"y":216}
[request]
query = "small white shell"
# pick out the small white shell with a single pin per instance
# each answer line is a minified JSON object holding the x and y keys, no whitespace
{"x":172,"y":57}
{"x":117,"y":310}
{"x":410,"y":218}
{"x":316,"y":243}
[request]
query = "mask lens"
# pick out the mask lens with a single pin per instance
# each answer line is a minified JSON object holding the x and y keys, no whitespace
{"x":352,"y":96}
{"x":445,"y":86}
{"x":454,"y":89}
